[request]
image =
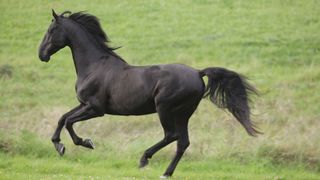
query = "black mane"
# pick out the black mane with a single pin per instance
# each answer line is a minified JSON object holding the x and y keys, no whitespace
{"x":92,"y":25}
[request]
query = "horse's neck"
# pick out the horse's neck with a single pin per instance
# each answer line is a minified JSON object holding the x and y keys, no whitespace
{"x":84,"y":50}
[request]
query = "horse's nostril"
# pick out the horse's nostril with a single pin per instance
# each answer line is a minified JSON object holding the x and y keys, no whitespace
{"x":43,"y":57}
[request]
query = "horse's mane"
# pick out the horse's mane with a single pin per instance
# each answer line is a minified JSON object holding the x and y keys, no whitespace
{"x":92,"y":25}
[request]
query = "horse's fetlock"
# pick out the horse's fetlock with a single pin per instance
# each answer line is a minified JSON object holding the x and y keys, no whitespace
{"x":78,"y":142}
{"x":147,"y":154}
{"x":55,"y":140}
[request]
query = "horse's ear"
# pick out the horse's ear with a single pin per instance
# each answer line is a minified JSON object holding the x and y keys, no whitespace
{"x":55,"y":15}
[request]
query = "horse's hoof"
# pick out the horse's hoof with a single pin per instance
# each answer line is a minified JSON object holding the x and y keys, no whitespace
{"x":88,"y":143}
{"x":143,"y":163}
{"x":60,"y":148}
{"x":164,"y":177}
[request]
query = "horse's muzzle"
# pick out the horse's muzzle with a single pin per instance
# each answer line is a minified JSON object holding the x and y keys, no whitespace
{"x":43,"y":54}
{"x":44,"y":58}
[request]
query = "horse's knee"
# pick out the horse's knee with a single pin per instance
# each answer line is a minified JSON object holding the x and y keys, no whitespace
{"x":68,"y":124}
{"x":62,"y":121}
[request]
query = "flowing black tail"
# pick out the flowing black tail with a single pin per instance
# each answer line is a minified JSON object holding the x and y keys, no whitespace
{"x":228,"y":89}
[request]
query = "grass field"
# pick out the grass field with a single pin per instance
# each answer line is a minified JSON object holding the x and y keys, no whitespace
{"x":275,"y":43}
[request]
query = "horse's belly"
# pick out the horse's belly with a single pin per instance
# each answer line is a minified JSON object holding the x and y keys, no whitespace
{"x":131,"y":108}
{"x":144,"y":109}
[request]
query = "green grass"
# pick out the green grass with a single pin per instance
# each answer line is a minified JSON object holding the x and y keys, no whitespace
{"x":275,"y":43}
{"x":21,"y":167}
{"x":29,"y":156}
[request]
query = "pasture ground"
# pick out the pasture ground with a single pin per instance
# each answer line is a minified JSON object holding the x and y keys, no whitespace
{"x":275,"y":43}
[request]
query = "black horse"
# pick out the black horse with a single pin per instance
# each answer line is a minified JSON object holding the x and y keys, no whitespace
{"x":106,"y":84}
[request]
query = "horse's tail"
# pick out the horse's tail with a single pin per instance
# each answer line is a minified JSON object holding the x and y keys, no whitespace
{"x":228,"y":89}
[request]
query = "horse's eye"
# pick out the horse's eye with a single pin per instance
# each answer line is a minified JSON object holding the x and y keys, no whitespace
{"x":52,"y":29}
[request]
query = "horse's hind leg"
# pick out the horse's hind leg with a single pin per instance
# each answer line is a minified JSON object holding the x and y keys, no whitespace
{"x":182,"y":145}
{"x":181,"y":120}
{"x":170,"y":135}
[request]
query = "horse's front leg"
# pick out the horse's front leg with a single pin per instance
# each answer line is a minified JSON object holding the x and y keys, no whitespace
{"x":56,"y":136}
{"x":84,"y":112}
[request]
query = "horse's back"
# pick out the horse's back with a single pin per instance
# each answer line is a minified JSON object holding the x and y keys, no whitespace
{"x":183,"y":77}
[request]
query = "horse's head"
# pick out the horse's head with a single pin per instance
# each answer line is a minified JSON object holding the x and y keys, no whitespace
{"x":54,"y":40}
